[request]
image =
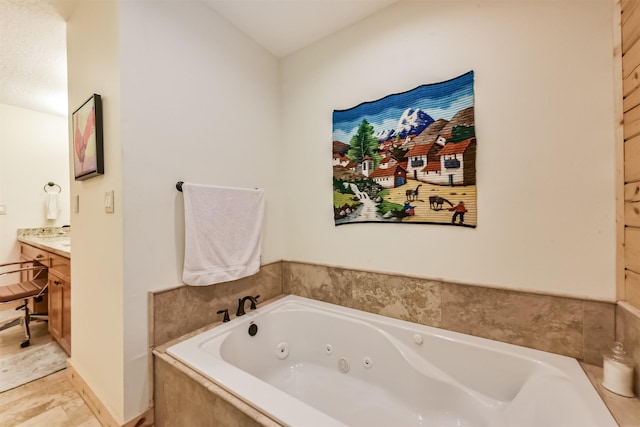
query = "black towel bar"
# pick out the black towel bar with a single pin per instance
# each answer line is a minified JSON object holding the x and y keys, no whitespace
{"x":179,"y":185}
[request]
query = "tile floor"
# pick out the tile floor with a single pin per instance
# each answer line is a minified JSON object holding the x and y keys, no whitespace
{"x":50,"y":401}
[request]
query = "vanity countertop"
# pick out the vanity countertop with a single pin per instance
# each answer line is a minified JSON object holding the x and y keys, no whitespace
{"x":52,"y":239}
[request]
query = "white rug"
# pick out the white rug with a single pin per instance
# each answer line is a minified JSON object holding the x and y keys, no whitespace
{"x":31,"y":364}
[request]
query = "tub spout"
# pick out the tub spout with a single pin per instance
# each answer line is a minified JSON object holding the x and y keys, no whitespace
{"x":242,"y":301}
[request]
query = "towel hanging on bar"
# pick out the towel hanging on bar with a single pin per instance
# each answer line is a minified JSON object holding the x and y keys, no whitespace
{"x":223,"y":233}
{"x":52,"y":206}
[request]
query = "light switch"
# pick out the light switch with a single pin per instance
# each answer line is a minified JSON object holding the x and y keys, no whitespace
{"x":3,"y":209}
{"x":76,"y":203}
{"x":108,"y":201}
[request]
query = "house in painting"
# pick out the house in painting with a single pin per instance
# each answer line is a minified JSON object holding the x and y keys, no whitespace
{"x":388,"y":161}
{"x":441,"y":140}
{"x":365,"y":167}
{"x":421,"y":155}
{"x":390,"y":177}
{"x":340,"y":160}
{"x":431,"y":172}
{"x":457,"y":164}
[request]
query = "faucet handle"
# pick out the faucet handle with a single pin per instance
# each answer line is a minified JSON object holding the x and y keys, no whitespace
{"x":254,"y":301}
{"x":240,"y":310}
{"x":225,"y":318}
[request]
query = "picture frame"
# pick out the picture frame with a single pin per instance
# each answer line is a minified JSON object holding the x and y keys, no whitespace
{"x":86,"y":128}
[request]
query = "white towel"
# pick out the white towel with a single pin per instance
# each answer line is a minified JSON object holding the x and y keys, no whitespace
{"x":52,"y":206}
{"x":223,"y":233}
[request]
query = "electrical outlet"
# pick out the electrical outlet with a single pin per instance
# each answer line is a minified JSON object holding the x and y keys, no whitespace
{"x":76,"y":203}
{"x":3,"y":209}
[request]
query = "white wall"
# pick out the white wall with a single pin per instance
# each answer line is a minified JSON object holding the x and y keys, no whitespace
{"x":198,"y":102}
{"x":545,"y":128}
{"x":33,"y":151}
{"x":97,"y":320}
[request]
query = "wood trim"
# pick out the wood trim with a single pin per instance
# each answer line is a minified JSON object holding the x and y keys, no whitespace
{"x":632,"y":291}
{"x":619,"y":147}
{"x":631,"y":59}
{"x":632,"y":123}
{"x":629,"y":14}
{"x":632,"y":100}
{"x":632,"y":204}
{"x":632,"y":249}
{"x":99,"y":409}
{"x":632,"y":160}
{"x":632,"y":81}
{"x":631,"y":29}
{"x":628,"y":7}
{"x":632,"y":214}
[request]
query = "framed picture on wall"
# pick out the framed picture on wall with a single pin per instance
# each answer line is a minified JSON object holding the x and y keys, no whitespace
{"x":88,"y":160}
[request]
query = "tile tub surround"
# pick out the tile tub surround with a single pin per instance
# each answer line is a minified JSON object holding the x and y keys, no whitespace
{"x":572,"y":327}
{"x":185,"y":398}
{"x":178,"y":311}
{"x":578,"y":328}
{"x":582,"y":329}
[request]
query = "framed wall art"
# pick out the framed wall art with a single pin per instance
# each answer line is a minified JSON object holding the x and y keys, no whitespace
{"x":88,"y":159}
{"x":409,"y":157}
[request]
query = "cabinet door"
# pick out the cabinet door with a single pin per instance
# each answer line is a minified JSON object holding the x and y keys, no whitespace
{"x":55,"y":306}
{"x":65,"y":339}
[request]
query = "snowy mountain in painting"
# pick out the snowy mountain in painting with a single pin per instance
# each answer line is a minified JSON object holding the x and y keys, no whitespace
{"x":413,"y":121}
{"x":384,"y":135}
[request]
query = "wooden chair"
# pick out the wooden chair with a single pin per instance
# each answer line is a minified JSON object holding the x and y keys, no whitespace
{"x":34,"y":286}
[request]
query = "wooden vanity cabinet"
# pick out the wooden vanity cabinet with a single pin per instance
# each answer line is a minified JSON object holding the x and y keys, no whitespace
{"x":58,"y":292}
{"x":28,"y":253}
{"x":60,"y":301}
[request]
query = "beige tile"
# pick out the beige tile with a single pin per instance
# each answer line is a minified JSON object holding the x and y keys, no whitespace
{"x":411,"y":299}
{"x":318,"y":282}
{"x":414,"y":300}
{"x":181,"y":310}
{"x":54,"y":417}
{"x":599,"y":330}
{"x":180,"y":400}
{"x":51,"y":400}
{"x":625,"y":410}
{"x":543,"y":322}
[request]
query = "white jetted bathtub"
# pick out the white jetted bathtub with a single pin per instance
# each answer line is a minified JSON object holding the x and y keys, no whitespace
{"x":311,"y":363}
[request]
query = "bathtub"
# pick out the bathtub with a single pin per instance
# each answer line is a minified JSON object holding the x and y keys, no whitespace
{"x":307,"y":363}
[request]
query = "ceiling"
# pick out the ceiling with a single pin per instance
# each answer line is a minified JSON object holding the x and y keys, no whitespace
{"x":33,"y":39}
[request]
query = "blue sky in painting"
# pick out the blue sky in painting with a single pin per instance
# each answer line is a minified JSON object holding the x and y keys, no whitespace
{"x":439,"y":100}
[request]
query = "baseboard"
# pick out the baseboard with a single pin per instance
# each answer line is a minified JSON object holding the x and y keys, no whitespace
{"x":99,"y":409}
